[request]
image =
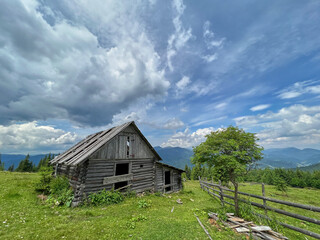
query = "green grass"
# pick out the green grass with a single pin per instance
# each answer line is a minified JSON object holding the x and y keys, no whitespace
{"x":305,"y":196}
{"x":22,"y":216}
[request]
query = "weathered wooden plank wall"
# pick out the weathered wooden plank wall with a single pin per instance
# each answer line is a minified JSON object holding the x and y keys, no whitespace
{"x":143,"y":175}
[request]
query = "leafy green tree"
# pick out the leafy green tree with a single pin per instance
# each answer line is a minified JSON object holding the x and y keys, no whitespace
{"x":231,"y":152}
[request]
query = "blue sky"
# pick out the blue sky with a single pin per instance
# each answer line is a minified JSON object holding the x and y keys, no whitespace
{"x":180,"y":69}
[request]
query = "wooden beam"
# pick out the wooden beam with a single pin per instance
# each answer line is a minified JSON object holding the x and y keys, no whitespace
{"x":119,"y":178}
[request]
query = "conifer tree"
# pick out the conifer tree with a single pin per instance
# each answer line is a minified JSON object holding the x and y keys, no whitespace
{"x":1,"y":164}
{"x":11,"y":168}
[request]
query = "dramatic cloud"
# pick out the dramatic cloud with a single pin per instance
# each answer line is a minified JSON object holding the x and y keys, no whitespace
{"x":186,"y":139}
{"x":260,"y":107}
{"x":296,"y":125}
{"x":31,"y":137}
{"x":63,"y":69}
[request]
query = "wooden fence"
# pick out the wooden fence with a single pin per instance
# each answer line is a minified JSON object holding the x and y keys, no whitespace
{"x":219,"y":191}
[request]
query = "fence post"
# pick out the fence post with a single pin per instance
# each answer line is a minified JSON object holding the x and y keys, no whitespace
{"x":264,"y":201}
{"x":221,"y":194}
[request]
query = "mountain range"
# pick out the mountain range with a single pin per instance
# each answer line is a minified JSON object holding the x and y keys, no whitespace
{"x":306,"y":159}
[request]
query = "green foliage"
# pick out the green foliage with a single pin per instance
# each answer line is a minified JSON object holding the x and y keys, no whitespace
{"x":132,"y":222}
{"x":280,"y":184}
{"x":60,"y":192}
{"x":1,"y":164}
{"x":184,"y":176}
{"x":104,"y":197}
{"x":59,"y":184}
{"x":43,"y":185}
{"x":196,"y":172}
{"x":26,"y":218}
{"x":44,"y":162}
{"x":11,"y":168}
{"x":231,"y":151}
{"x":187,"y":170}
{"x":65,"y":197}
{"x":293,"y":178}
{"x":26,"y":165}
{"x":144,"y":203}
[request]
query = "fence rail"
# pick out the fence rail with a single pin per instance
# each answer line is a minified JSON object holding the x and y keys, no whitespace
{"x":217,"y":190}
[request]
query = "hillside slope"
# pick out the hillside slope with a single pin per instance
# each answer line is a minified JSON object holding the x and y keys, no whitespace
{"x":289,"y":157}
{"x":175,"y":156}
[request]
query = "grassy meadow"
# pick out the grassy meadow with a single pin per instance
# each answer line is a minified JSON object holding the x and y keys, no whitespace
{"x":305,"y":196}
{"x":24,"y":216}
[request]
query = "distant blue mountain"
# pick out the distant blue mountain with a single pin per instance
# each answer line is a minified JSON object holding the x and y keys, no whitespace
{"x":175,"y":156}
{"x":9,"y":159}
{"x":289,"y":157}
{"x":179,"y":157}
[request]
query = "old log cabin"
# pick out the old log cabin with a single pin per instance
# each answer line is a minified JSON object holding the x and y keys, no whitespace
{"x":120,"y":157}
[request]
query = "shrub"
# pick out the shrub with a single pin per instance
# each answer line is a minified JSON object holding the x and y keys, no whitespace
{"x":105,"y":197}
{"x":58,"y":185}
{"x":280,"y":184}
{"x":65,"y":197}
{"x":132,"y":222}
{"x":45,"y":180}
{"x":144,"y":204}
{"x":60,"y":192}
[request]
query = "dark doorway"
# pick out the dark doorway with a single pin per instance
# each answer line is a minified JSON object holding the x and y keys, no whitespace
{"x":167,"y":180}
{"x":121,"y":169}
{"x":120,"y":185}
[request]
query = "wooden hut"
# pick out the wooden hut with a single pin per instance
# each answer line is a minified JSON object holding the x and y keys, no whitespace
{"x":120,"y":157}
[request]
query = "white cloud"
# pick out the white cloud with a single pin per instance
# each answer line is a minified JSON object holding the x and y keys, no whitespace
{"x":210,"y":58}
{"x":211,"y":42}
{"x":183,"y":82}
{"x":296,"y":125}
{"x":66,"y":68}
{"x":209,"y":38}
{"x":260,"y":107}
{"x":186,"y":139}
{"x":173,"y":123}
{"x":31,"y":137}
{"x":180,"y":36}
{"x":300,"y":88}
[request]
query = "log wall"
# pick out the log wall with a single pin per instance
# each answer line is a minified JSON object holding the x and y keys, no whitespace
{"x":176,"y":182}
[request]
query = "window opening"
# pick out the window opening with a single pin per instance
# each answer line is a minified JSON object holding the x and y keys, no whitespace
{"x":128,"y":147}
{"x":121,"y":169}
{"x":167,"y":180}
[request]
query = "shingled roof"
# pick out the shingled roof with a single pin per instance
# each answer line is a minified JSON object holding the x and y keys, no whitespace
{"x":83,"y":149}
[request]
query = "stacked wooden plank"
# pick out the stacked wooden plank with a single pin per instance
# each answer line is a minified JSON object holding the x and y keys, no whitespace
{"x":241,"y":226}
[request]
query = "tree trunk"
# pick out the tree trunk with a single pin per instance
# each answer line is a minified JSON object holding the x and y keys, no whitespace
{"x":236,"y":203}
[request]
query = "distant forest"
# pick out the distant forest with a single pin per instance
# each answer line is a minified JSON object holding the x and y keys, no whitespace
{"x":289,"y":177}
{"x":26,"y":165}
